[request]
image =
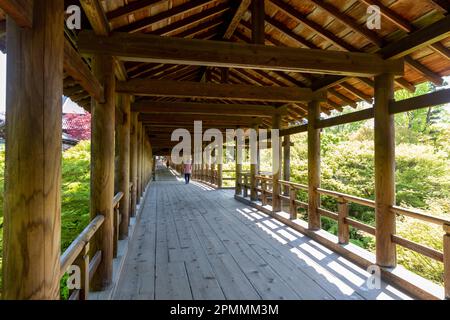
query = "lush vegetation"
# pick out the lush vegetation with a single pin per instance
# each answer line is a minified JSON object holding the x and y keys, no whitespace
{"x":75,"y":196}
{"x":422,"y":176}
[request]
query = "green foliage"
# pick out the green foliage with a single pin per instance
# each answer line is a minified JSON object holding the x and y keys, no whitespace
{"x":75,"y":192}
{"x":75,"y":197}
{"x":422,"y":176}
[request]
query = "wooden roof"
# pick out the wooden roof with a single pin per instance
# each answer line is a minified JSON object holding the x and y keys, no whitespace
{"x":316,"y":24}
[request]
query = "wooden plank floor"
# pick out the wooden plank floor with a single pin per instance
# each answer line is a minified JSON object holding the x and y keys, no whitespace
{"x":193,"y":242}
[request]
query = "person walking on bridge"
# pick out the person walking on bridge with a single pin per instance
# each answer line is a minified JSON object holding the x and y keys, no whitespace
{"x":187,"y":169}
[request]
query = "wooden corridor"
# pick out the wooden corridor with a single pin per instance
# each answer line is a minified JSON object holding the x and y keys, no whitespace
{"x":195,"y":242}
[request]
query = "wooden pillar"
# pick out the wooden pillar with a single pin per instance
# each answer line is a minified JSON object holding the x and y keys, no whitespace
{"x":220,"y":170}
{"x":123,"y":148}
{"x":258,"y":18}
{"x":313,"y":166}
{"x":238,"y":158}
{"x":276,"y":167}
{"x":154,"y":168}
{"x":447,"y":261}
{"x":32,"y":216}
{"x":384,"y":171}
{"x":253,"y":166}
{"x":287,"y":162}
{"x":213,"y":167}
{"x":138,"y":167}
{"x":133,"y":161}
{"x":102,"y":168}
{"x":143,"y":158}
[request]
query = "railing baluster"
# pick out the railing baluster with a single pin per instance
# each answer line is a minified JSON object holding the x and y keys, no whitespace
{"x":447,"y":261}
{"x":292,"y":202}
{"x":82,"y":261}
{"x":263,"y":192}
{"x":343,"y":227}
{"x":116,"y":230}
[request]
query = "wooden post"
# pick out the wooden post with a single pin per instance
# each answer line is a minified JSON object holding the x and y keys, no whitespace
{"x":258,"y":18}
{"x":154,"y":168}
{"x":343,"y":227}
{"x":384,"y":171}
{"x":264,"y":192}
{"x":276,"y":170}
{"x":123,"y":148}
{"x":32,"y":224}
{"x":133,"y":161}
{"x":142,"y":163}
{"x":213,"y":168}
{"x":138,"y":168}
{"x":116,"y":230}
{"x":253,"y":165}
{"x":313,"y":166}
{"x":83,"y":263}
{"x":245,"y":186}
{"x":220,"y":170}
{"x":447,"y":261}
{"x":293,"y":203}
{"x":102,"y":168}
{"x":238,"y":154}
{"x":287,"y":162}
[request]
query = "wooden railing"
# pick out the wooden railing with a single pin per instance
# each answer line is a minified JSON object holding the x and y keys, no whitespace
{"x":344,"y":222}
{"x":117,"y":219}
{"x":78,"y":252}
{"x":264,"y":188}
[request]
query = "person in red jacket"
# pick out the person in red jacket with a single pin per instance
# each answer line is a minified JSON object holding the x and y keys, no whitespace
{"x":187,"y":169}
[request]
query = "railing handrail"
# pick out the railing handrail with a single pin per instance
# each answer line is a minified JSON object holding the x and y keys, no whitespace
{"x":354,"y":199}
{"x":420,"y":215}
{"x":117,"y":198}
{"x":295,"y":185}
{"x":75,"y":248}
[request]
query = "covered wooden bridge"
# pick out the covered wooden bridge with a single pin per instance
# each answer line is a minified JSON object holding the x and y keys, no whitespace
{"x":145,"y":68}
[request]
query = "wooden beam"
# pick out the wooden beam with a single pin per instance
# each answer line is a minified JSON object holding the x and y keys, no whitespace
{"x":424,"y":101}
{"x":145,"y":23}
{"x":431,"y":34}
{"x":96,"y":16}
{"x":384,"y":172}
{"x":298,"y":16}
{"x":181,"y":108}
{"x":442,"y":4}
{"x":150,"y":48}
{"x":258,"y":14}
{"x":361,"y":115}
{"x":185,"y":89}
{"x":21,"y":11}
{"x":99,"y":22}
{"x":356,"y":92}
{"x":349,"y":22}
{"x":294,"y":130}
{"x":194,"y":19}
{"x":390,"y":15}
{"x":237,"y":17}
{"x":80,"y":72}
{"x":189,"y":119}
{"x":427,"y":73}
{"x":32,"y":215}
{"x":131,"y":8}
